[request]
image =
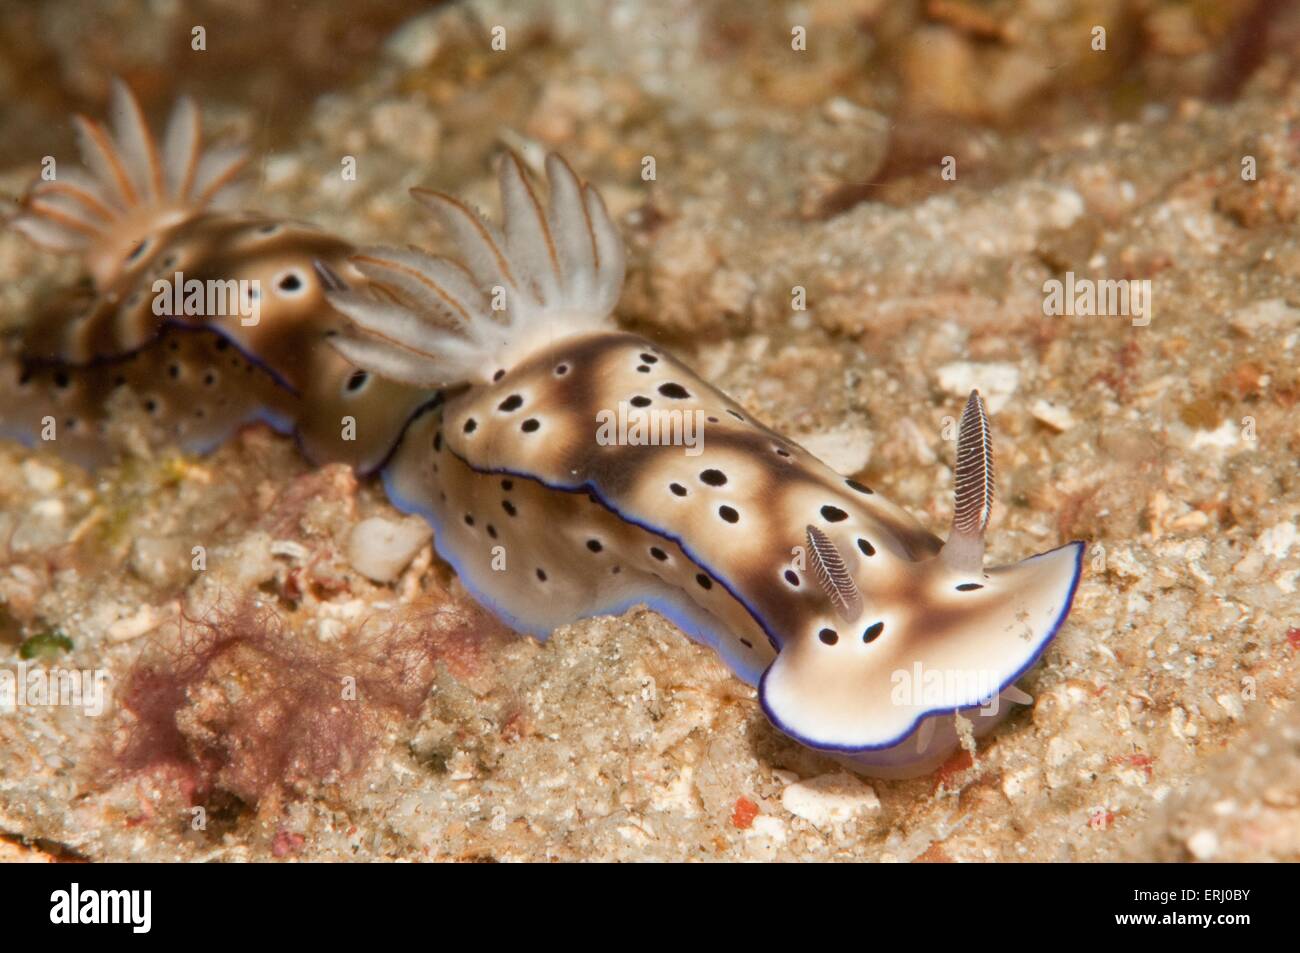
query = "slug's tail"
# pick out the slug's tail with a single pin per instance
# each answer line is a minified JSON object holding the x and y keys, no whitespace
{"x":130,"y":189}
{"x":545,"y":274}
{"x":189,"y":392}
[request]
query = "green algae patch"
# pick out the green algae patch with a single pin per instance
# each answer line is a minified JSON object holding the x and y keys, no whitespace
{"x":44,"y":646}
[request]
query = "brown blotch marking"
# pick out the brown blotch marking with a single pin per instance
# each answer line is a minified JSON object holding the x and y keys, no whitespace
{"x":618,"y":470}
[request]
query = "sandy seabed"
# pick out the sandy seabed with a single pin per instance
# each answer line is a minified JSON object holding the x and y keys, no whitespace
{"x":1164,"y":723}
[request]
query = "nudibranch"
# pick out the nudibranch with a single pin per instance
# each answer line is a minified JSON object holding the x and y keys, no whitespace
{"x":157,"y":231}
{"x":483,"y":387}
{"x":868,"y":637}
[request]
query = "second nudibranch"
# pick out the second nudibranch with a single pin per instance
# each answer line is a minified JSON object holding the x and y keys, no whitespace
{"x":154,"y":222}
{"x":867,"y":636}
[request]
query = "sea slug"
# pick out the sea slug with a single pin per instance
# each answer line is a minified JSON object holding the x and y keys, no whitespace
{"x":499,"y":400}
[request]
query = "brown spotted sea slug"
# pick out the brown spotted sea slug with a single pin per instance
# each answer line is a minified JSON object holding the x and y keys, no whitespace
{"x":208,"y":318}
{"x":502,"y":403}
